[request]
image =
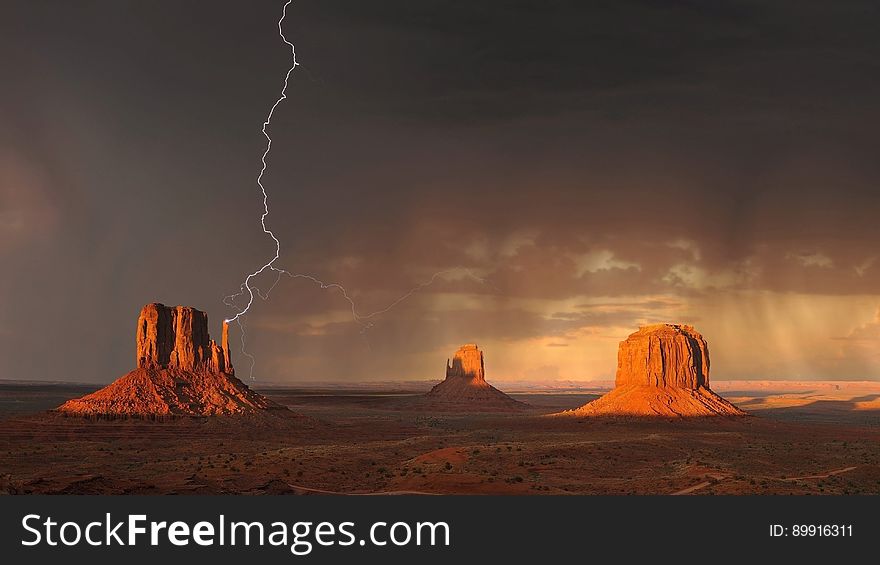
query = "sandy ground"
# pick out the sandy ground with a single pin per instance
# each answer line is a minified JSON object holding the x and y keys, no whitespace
{"x":803,"y":438}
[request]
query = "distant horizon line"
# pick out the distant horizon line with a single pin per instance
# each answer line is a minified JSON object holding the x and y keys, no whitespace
{"x":501,"y":383}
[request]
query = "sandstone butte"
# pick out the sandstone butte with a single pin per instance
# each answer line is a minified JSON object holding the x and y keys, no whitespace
{"x":662,"y":370}
{"x":180,"y":371}
{"x":465,"y":385}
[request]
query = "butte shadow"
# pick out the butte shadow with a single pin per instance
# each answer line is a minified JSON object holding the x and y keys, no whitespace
{"x":662,"y":371}
{"x":180,"y":371}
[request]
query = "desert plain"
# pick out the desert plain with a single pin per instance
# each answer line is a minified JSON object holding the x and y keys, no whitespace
{"x":805,"y":438}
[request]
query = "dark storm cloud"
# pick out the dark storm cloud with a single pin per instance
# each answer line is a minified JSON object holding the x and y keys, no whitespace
{"x":621,"y":150}
{"x":479,"y":61}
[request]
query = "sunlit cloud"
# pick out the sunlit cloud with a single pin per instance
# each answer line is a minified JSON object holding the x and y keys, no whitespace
{"x":601,"y":260}
{"x":695,"y":277}
{"x":863,"y":267}
{"x":812,"y":259}
{"x":482,"y":248}
{"x":516,"y":240}
{"x":867,"y":332}
{"x":687,"y":245}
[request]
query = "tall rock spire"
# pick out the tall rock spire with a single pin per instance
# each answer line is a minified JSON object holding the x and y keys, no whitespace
{"x":180,"y":371}
{"x":177,"y":338}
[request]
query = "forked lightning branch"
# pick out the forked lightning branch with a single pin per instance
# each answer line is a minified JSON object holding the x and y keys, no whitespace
{"x":249,"y":290}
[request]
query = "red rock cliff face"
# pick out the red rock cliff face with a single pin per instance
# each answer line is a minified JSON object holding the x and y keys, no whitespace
{"x":662,"y":370}
{"x":664,"y":355}
{"x":180,"y":372}
{"x":177,"y":338}
{"x":467,"y":363}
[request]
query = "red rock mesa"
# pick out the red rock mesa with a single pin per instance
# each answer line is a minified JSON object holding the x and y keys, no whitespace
{"x":180,"y":371}
{"x":465,"y":386}
{"x":662,"y":370}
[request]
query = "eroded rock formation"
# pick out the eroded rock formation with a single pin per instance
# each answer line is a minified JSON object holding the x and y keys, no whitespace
{"x":465,"y":386}
{"x":662,"y":370}
{"x":467,"y":363}
{"x":180,"y":371}
{"x":177,"y":338}
{"x":664,"y":355}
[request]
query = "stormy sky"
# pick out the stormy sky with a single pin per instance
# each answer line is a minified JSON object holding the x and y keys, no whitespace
{"x":575,"y":168}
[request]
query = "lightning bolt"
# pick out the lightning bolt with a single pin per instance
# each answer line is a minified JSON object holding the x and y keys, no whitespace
{"x":250,"y":291}
{"x":271,"y":264}
{"x":364,"y":320}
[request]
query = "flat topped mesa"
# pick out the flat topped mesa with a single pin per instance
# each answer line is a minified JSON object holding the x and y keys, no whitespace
{"x":664,"y":355}
{"x":465,"y":386}
{"x":177,"y":338}
{"x":180,"y":371}
{"x":662,"y":370}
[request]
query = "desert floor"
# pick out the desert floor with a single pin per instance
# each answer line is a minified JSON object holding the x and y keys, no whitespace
{"x":819,"y":438}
